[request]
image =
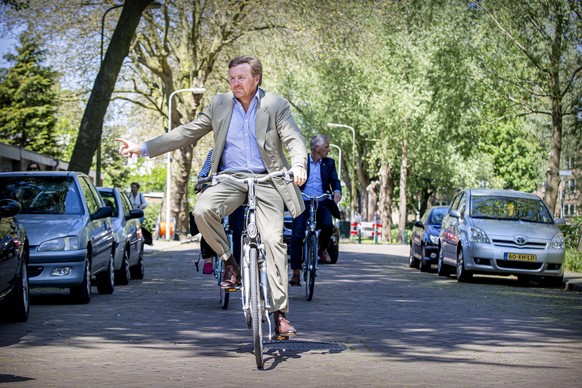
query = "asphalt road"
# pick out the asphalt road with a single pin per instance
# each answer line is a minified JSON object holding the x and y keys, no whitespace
{"x":373,"y":322}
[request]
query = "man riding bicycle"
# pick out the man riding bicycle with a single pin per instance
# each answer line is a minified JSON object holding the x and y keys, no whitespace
{"x":322,"y":178}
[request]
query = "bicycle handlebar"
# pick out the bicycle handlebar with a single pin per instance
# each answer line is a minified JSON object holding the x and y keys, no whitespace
{"x":287,"y":175}
{"x":324,"y":195}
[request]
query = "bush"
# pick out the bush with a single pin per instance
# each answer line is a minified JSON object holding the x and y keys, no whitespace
{"x":573,"y":261}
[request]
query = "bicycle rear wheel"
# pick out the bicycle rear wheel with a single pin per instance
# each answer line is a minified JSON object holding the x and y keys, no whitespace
{"x":310,"y":266}
{"x":255,"y":302}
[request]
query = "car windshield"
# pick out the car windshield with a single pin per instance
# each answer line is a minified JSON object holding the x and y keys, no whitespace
{"x":437,"y":215}
{"x":42,"y":194}
{"x":509,"y":208}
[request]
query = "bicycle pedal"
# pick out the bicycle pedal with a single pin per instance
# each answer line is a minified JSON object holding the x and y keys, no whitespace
{"x":232,"y":289}
{"x":280,"y":337}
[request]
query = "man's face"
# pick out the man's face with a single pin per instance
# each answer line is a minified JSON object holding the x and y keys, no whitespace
{"x":322,"y":149}
{"x":242,"y":83}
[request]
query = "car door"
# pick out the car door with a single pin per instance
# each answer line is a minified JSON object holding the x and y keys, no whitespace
{"x":8,"y":253}
{"x":99,"y":230}
{"x":449,"y":224}
{"x":131,"y":227}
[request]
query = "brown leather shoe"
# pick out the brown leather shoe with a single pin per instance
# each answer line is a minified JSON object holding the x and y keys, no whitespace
{"x":230,"y":278}
{"x":282,"y":325}
{"x":324,"y":257}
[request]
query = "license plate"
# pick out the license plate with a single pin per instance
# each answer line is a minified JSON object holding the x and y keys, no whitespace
{"x":519,"y":257}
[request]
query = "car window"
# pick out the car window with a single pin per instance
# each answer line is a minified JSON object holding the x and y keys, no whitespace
{"x":509,"y":208}
{"x":109,"y":200}
{"x":125,"y":204}
{"x":93,"y":203}
{"x":455,"y":202}
{"x":43,"y":194}
{"x":462,"y":204}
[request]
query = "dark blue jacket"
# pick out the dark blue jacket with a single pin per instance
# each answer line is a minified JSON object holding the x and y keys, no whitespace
{"x":330,"y":183}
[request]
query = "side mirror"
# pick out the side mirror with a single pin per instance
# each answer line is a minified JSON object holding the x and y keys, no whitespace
{"x":135,"y":213}
{"x":560,"y":221}
{"x":9,"y":208}
{"x":419,"y":224}
{"x":455,"y":214}
{"x":103,"y":212}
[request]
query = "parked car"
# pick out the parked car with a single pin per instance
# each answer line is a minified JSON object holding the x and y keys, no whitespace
{"x":14,"y":289}
{"x":501,"y":232}
{"x":129,"y":241}
{"x":333,"y":247}
{"x":424,"y":239}
{"x":69,"y":230}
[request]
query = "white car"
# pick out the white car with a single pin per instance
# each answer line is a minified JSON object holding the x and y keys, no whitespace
{"x":501,"y":232}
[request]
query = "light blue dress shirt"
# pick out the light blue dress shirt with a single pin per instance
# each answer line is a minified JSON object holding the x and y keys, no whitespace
{"x":241,"y":152}
{"x":313,"y":187}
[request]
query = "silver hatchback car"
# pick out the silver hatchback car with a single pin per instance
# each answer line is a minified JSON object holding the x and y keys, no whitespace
{"x":501,"y":232}
{"x":69,"y":230}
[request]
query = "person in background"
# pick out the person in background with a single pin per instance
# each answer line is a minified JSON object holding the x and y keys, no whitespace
{"x":321,"y":178}
{"x":137,"y":199}
{"x":33,"y":166}
{"x":251,"y":129}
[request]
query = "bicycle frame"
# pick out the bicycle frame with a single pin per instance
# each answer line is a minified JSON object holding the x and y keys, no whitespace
{"x":310,"y":246}
{"x":255,"y":287}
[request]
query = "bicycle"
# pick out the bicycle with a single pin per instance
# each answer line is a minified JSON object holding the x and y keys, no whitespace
{"x":218,"y":267}
{"x":310,"y":246}
{"x":254,"y":281}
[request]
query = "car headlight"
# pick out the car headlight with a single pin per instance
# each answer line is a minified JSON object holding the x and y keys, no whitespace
{"x":557,"y":241}
{"x":477,"y":235}
{"x":70,"y":243}
{"x":434,"y":239}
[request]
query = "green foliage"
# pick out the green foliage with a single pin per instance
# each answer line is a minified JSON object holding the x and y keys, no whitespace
{"x":28,"y":99}
{"x":515,"y":157}
{"x":573,"y":260}
{"x":151,"y":213}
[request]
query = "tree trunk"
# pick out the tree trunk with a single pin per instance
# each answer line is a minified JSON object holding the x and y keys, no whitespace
{"x":91,"y":128}
{"x":385,"y":202}
{"x":552,"y":173}
{"x":402,"y":204}
{"x":372,"y":199}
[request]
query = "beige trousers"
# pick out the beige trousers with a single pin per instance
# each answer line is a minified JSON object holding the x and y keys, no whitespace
{"x":223,"y":199}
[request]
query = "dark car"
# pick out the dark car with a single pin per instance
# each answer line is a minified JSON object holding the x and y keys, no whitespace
{"x":129,"y":239}
{"x":14,"y":290}
{"x":333,"y":247}
{"x":424,"y":240}
{"x":69,"y":230}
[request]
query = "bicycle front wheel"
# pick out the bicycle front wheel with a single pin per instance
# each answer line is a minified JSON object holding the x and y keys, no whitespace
{"x":219,"y":274}
{"x":255,"y":302}
{"x":310,"y":266}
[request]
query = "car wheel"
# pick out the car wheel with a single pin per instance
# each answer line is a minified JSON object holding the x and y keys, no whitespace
{"x":122,"y":276}
{"x":16,"y":306}
{"x":137,"y":271}
{"x":442,"y":269}
{"x":106,"y":279}
{"x":422,"y":264}
{"x":412,"y":262}
{"x":82,"y":292}
{"x":462,"y":274}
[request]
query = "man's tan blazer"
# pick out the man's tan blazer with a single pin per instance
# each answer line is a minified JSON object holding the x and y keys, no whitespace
{"x":275,"y":128}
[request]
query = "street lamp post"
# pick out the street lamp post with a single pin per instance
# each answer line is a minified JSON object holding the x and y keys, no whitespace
{"x":169,"y":156}
{"x":153,"y":5}
{"x":339,"y":166}
{"x":353,"y":193}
